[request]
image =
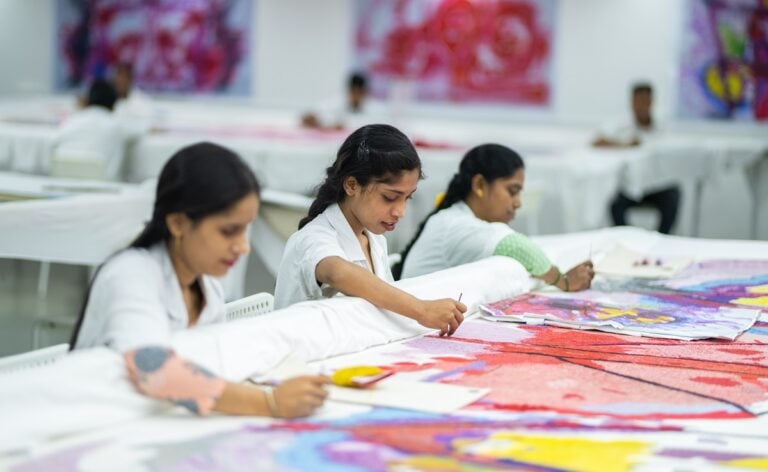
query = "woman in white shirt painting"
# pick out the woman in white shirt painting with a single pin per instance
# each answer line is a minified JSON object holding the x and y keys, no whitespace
{"x":164,"y":282}
{"x":471,"y":222}
{"x":340,"y":246}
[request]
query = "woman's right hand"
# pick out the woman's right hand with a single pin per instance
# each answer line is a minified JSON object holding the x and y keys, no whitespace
{"x":445,"y":314}
{"x":580,"y":277}
{"x":300,"y":396}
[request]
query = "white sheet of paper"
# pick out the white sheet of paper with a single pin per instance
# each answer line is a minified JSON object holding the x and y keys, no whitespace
{"x":430,"y":397}
{"x":626,"y":262}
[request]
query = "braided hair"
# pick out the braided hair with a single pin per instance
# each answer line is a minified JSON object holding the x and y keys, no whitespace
{"x":378,"y":153}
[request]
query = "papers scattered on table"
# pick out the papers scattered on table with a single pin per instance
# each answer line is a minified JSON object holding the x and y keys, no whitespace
{"x":663,"y":316}
{"x":431,"y":397}
{"x":625,"y":262}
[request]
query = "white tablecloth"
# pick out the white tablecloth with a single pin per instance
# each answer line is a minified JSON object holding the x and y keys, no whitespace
{"x":72,"y":221}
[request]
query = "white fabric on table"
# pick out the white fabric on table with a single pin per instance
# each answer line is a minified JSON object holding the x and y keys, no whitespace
{"x":324,"y":328}
{"x":84,"y":228}
{"x":90,"y":388}
{"x":82,"y":391}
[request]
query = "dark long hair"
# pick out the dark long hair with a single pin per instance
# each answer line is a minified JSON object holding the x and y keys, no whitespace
{"x":378,"y":153}
{"x":492,"y":161}
{"x":199,"y":180}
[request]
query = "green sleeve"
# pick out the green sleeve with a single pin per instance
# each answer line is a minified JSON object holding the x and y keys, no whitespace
{"x":523,"y":250}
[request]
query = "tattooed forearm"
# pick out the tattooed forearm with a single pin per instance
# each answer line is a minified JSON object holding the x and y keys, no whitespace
{"x":157,"y":372}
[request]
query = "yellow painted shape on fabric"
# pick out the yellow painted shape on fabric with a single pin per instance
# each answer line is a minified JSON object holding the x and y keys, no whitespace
{"x":758,"y":463}
{"x":608,"y":313}
{"x":757,"y":301}
{"x":571,"y":453}
{"x":655,"y":320}
{"x":435,"y":463}
{"x":345,"y":377}
{"x":758,"y":289}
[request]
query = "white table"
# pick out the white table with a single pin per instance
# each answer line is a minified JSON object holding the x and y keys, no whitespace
{"x":573,"y":181}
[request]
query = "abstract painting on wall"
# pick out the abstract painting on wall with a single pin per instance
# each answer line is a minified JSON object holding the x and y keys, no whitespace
{"x":173,"y":46}
{"x":493,"y":51}
{"x":724,"y":60}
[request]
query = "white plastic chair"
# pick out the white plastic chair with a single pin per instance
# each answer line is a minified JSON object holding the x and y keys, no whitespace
{"x":253,"y":305}
{"x":32,"y":359}
{"x":74,"y":168}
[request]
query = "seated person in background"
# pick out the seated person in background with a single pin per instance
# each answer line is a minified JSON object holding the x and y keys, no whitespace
{"x":165,"y":282}
{"x":91,"y":142}
{"x":340,"y":245}
{"x":632,"y":133}
{"x":335,"y":114}
{"x":472,"y":223}
{"x":134,"y":108}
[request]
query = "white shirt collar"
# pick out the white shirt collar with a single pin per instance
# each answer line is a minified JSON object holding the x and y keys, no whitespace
{"x":351,"y":245}
{"x":177,"y":308}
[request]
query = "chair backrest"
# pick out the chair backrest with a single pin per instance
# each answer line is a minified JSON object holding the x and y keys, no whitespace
{"x":253,"y":305}
{"x":36,"y":358}
{"x":85,"y":166}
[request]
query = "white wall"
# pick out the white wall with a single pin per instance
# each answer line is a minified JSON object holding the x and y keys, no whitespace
{"x":603,"y":46}
{"x":26,"y":46}
{"x":302,"y":51}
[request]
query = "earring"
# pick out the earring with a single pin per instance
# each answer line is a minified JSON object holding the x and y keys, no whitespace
{"x":479,"y":193}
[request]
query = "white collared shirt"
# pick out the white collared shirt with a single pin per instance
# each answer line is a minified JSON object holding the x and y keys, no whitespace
{"x":452,"y":237}
{"x":327,"y":235}
{"x":626,"y":130}
{"x":136,"y":301}
{"x":93,"y":134}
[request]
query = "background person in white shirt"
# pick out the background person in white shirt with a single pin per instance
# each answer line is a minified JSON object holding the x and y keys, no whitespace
{"x":164,"y":282}
{"x":339,"y":112}
{"x":91,"y":142}
{"x":340,"y":245}
{"x":472,"y":222}
{"x":641,"y":127}
{"x":134,"y":108}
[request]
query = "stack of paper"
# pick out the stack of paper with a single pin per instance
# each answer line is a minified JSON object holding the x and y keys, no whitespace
{"x":660,"y":315}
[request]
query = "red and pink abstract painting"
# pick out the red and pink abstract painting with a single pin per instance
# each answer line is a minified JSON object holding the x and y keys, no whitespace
{"x":494,"y":51}
{"x":176,"y":46}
